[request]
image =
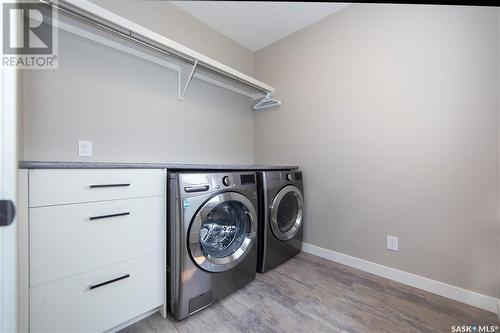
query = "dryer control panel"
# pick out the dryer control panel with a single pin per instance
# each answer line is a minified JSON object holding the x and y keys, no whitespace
{"x":276,"y":179}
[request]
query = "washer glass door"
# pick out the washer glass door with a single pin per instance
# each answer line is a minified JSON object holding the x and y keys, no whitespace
{"x":286,"y":213}
{"x":222,"y":232}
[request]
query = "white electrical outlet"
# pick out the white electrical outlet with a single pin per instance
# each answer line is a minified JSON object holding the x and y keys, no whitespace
{"x":84,"y":148}
{"x":393,"y":243}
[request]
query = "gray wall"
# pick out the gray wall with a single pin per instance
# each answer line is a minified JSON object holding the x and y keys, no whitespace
{"x":128,"y":108}
{"x":391,"y":110}
{"x":170,"y":21}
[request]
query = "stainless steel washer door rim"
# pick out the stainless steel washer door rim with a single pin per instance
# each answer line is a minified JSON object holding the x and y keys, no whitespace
{"x":273,"y":213}
{"x":219,"y":264}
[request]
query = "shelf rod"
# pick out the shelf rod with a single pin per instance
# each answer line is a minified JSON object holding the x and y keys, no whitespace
{"x":115,"y":31}
{"x":131,"y":36}
{"x":153,"y":59}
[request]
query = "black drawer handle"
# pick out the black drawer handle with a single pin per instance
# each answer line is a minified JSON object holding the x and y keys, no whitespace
{"x":94,"y":286}
{"x":108,"y":216}
{"x":109,"y":185}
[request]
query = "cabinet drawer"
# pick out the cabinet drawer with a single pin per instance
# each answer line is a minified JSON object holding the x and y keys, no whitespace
{"x":71,"y":239}
{"x":55,"y":187}
{"x":72,"y":305}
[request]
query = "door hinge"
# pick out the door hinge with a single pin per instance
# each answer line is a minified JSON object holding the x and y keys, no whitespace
{"x":7,"y":212}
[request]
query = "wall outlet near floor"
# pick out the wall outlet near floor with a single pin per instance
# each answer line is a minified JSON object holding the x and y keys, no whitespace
{"x":392,"y":243}
{"x":84,"y":148}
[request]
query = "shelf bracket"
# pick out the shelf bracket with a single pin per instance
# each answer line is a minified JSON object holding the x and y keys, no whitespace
{"x":186,"y":73}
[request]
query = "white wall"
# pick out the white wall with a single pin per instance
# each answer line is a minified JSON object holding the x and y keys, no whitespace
{"x":391,"y":110}
{"x":128,"y":108}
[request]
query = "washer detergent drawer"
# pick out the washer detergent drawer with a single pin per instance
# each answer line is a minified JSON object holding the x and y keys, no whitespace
{"x":57,"y":187}
{"x":98,"y":300}
{"x":71,"y":239}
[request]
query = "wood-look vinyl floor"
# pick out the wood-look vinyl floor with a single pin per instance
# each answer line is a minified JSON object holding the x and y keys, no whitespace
{"x":311,"y":294}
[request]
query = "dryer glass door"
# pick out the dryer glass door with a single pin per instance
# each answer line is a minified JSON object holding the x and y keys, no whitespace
{"x":286,"y":213}
{"x":222,"y":232}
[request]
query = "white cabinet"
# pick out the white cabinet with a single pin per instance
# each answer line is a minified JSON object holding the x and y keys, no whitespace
{"x":57,"y":187}
{"x":73,"y":305}
{"x":92,"y":235}
{"x":96,"y":246}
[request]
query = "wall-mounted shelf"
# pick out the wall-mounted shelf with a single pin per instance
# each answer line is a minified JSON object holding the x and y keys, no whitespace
{"x":188,"y":63}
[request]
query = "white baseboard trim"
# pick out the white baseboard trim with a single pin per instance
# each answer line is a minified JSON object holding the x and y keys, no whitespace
{"x":458,"y":294}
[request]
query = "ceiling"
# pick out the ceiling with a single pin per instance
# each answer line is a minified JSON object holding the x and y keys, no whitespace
{"x":258,"y":24}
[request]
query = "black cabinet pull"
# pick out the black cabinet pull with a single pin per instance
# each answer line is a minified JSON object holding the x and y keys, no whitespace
{"x":109,"y":185}
{"x":94,"y":286}
{"x":107,"y":216}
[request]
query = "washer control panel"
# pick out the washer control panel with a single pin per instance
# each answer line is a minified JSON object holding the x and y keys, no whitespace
{"x":194,"y":184}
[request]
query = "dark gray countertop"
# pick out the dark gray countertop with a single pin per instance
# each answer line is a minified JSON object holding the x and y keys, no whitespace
{"x":172,"y":166}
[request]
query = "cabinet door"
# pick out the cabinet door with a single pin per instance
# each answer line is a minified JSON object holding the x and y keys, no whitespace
{"x":93,"y":235}
{"x":57,"y":187}
{"x":98,"y":300}
{"x":8,"y":192}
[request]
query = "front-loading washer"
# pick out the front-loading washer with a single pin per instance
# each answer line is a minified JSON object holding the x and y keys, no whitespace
{"x":281,"y":219}
{"x":212,"y":231}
